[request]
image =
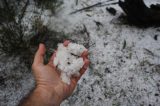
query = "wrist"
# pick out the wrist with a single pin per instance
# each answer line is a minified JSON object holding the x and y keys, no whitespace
{"x":48,"y":95}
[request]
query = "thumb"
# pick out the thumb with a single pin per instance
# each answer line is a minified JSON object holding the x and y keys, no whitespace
{"x":39,"y":56}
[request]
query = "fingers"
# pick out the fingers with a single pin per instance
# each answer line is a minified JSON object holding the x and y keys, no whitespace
{"x":86,"y":62}
{"x":52,"y":59}
{"x":83,"y":69}
{"x":39,"y":56}
{"x":66,"y":42}
{"x":85,"y":66}
{"x":85,"y":54}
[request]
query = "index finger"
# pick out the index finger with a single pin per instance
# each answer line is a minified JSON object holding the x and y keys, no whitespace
{"x":66,"y":42}
{"x":82,"y":70}
{"x":39,"y":56}
{"x":84,"y":54}
{"x":51,"y":61}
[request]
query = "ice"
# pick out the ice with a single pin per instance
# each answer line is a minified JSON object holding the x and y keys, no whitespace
{"x":116,"y":77}
{"x":68,"y":60}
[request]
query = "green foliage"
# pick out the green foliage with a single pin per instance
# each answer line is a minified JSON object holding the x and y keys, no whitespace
{"x":12,"y":34}
{"x":48,"y":4}
{"x":11,"y":39}
{"x":11,"y":30}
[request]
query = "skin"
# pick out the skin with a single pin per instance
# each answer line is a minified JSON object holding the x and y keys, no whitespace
{"x":50,"y":90}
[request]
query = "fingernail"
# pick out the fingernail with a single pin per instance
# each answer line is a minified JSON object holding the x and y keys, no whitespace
{"x":85,"y":67}
{"x":39,"y":45}
{"x":54,"y":55}
{"x":85,"y":59}
{"x":66,"y":42}
{"x":85,"y":53}
{"x":86,"y":63}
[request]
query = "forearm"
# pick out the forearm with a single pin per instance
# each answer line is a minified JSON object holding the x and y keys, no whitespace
{"x":41,"y":97}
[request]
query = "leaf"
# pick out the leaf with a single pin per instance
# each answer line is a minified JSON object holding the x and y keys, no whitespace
{"x":76,"y":2}
{"x":130,"y":55}
{"x":124,"y":44}
{"x":149,"y":52}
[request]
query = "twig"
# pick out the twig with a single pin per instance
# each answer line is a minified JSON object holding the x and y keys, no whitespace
{"x":109,"y":4}
{"x":20,"y":20}
{"x":99,"y":4}
{"x":86,"y":8}
{"x":85,"y":30}
{"x":88,"y":37}
{"x":137,"y":58}
{"x":151,"y":53}
{"x":98,"y":24}
{"x":124,"y":44}
{"x":23,"y":11}
{"x":76,"y":2}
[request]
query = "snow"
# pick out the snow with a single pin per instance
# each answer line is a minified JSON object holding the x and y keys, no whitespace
{"x":68,"y":60}
{"x":117,"y":76}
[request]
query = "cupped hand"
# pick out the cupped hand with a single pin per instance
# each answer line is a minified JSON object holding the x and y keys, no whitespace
{"x":48,"y":77}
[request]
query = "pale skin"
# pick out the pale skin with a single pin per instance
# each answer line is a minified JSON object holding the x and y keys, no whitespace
{"x":50,"y":90}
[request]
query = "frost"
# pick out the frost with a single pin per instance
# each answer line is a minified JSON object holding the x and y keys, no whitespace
{"x":68,"y":60}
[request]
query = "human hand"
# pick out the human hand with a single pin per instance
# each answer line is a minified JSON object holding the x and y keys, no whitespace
{"x":48,"y":77}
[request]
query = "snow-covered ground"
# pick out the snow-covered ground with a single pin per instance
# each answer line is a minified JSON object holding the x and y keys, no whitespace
{"x":125,"y":60}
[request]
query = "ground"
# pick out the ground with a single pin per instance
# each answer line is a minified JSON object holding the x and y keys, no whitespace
{"x":125,"y":60}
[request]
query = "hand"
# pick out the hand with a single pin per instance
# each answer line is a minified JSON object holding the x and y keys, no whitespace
{"x":48,"y":77}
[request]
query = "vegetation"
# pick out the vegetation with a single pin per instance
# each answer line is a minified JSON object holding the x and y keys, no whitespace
{"x":48,"y":4}
{"x":13,"y":40}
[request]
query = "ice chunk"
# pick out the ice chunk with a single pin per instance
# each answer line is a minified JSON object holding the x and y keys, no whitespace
{"x":68,"y":60}
{"x":65,"y":78}
{"x":76,"y":49}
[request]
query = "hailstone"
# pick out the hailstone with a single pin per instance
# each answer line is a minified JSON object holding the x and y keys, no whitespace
{"x":68,"y":60}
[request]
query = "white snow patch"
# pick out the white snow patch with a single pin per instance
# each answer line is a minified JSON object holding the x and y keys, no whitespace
{"x":68,"y":60}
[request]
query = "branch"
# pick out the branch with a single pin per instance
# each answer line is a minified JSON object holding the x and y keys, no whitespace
{"x":23,"y":12}
{"x":99,"y":4}
{"x":6,"y":5}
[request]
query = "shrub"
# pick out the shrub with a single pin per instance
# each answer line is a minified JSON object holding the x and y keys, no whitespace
{"x":12,"y":36}
{"x":48,"y":4}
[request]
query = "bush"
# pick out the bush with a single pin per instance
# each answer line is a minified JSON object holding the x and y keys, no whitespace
{"x":48,"y":4}
{"x":12,"y":36}
{"x":11,"y":30}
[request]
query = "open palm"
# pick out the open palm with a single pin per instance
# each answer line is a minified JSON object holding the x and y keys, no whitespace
{"x":48,"y":77}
